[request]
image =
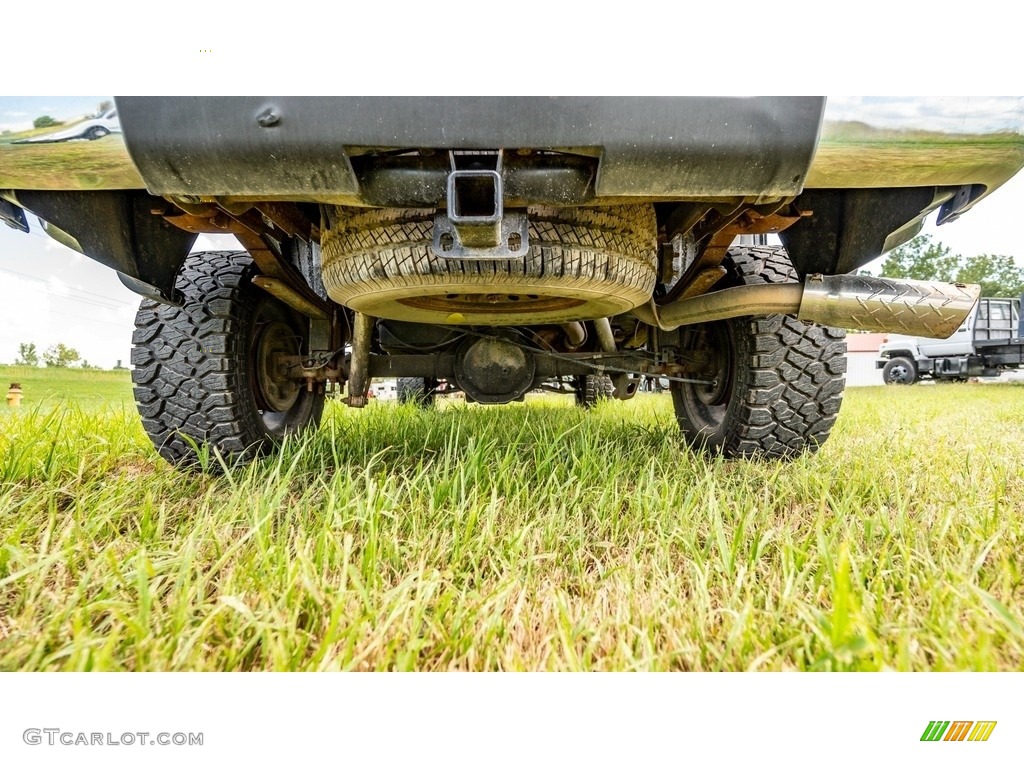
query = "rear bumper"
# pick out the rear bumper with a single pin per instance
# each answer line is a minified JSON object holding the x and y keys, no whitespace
{"x":302,"y":148}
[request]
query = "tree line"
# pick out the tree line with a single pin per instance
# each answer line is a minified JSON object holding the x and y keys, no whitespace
{"x":921,"y":259}
{"x":55,"y":356}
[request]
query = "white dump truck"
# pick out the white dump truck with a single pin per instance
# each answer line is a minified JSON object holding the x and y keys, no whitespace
{"x":989,"y":342}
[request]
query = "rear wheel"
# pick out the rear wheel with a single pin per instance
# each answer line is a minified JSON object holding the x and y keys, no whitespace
{"x":899,"y":370}
{"x":417,"y":390}
{"x":206,"y":374}
{"x":778,"y":381}
{"x":593,"y":388}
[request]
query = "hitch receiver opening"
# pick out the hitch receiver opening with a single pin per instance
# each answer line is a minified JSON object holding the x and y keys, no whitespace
{"x":476,"y":225}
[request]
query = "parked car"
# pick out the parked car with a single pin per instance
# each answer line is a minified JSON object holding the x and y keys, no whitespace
{"x":92,"y":128}
{"x":499,"y":243}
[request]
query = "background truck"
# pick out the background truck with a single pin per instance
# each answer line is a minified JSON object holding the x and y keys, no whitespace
{"x":988,"y":342}
{"x":497,"y":244}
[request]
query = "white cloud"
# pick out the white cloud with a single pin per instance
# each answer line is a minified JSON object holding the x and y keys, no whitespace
{"x":50,"y":244}
{"x":27,"y":316}
{"x":58,"y":286}
{"x":949,"y":114}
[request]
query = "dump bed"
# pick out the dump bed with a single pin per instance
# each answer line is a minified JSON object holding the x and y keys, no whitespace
{"x":998,"y":322}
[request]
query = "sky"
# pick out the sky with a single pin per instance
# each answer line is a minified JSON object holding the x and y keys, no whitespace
{"x":948,"y":114}
{"x":51,"y":294}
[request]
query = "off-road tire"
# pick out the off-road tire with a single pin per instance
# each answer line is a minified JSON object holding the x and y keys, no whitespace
{"x":593,"y":388}
{"x":900,"y":370}
{"x":581,"y":263}
{"x":416,"y":390}
{"x":194,"y":365}
{"x":783,"y":379}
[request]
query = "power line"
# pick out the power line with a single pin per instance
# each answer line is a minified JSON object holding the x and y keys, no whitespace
{"x":113,"y":303}
{"x":44,"y":281}
{"x":126,"y":324}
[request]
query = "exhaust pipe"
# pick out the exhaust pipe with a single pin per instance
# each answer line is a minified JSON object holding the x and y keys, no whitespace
{"x":911,"y":307}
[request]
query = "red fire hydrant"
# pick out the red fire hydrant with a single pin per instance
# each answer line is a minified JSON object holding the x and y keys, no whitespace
{"x":14,"y":396}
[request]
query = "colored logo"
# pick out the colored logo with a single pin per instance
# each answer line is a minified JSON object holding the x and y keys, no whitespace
{"x":959,"y":730}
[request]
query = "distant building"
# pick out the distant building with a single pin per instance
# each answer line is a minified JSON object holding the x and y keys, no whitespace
{"x":861,"y":353}
{"x":384,"y":389}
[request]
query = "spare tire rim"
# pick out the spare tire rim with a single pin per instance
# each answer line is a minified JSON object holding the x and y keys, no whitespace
{"x":486,"y":303}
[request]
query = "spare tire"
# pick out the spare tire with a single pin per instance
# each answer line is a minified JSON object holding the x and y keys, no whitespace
{"x":582,"y":263}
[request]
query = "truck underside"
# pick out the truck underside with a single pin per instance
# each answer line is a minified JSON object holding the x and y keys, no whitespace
{"x":498,"y":245}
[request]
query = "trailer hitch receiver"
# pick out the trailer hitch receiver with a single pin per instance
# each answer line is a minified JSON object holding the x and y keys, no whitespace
{"x":476,"y":224}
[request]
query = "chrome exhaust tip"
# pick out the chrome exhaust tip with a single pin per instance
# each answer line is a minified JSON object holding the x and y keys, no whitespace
{"x":910,"y":307}
{"x":856,"y":302}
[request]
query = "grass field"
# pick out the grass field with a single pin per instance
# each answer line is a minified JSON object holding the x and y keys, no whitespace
{"x":100,"y":164}
{"x":517,"y":537}
{"x":49,"y":388}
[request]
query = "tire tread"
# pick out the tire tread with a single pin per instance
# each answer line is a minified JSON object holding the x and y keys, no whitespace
{"x":186,"y":375}
{"x":792,"y":388}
